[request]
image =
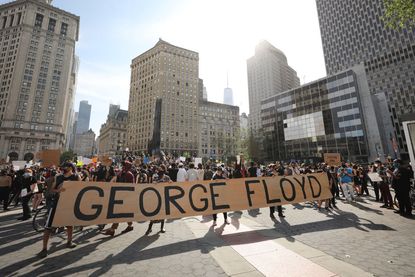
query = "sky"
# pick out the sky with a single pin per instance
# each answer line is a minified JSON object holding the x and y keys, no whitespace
{"x":223,"y":32}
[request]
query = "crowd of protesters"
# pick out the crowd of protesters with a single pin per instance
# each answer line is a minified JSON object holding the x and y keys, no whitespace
{"x":42,"y":185}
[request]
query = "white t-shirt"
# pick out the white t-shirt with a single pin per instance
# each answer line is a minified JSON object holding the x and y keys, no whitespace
{"x":182,"y":175}
{"x":192,"y":174}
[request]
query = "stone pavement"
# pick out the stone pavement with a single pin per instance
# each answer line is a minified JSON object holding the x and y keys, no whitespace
{"x":360,"y":239}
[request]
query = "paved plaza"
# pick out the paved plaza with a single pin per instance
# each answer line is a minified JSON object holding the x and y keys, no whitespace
{"x":359,"y":239}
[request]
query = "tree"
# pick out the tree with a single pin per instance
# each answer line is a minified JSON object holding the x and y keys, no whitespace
{"x":399,"y":14}
{"x":67,"y":156}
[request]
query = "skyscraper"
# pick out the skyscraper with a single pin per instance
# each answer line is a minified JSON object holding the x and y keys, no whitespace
{"x":228,"y":96}
{"x":84,"y":116}
{"x":268,"y":75}
{"x":36,"y":64}
{"x":169,"y":73}
{"x":353,"y":32}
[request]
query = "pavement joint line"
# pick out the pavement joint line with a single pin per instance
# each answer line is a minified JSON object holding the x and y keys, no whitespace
{"x":232,"y":256}
{"x":301,"y":247}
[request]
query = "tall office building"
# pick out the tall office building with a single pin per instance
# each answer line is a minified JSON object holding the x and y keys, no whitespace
{"x":353,"y":32}
{"x":169,"y":73}
{"x":37,"y":55}
{"x":84,"y":116}
{"x":228,"y":96}
{"x":268,"y":75}
{"x":334,"y":114}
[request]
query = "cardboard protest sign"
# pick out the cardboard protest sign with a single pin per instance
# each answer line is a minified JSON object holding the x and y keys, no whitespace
{"x":105,"y":160}
{"x":49,"y":157}
{"x":332,"y":159}
{"x":84,"y":203}
{"x":19,"y":164}
{"x":198,"y":161}
{"x":374,"y":177}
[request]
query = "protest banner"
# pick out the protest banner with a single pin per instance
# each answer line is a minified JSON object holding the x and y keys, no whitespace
{"x":374,"y":177}
{"x":84,"y":203}
{"x":49,"y":157}
{"x":332,"y":159}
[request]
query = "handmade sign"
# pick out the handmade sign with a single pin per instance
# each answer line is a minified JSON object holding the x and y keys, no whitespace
{"x":84,"y":203}
{"x":49,"y":157}
{"x":374,"y":177}
{"x":332,"y":159}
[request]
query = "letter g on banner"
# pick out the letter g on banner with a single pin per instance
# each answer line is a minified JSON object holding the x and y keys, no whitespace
{"x":77,"y":207}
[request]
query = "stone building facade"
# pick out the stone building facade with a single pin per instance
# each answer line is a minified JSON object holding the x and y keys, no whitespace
{"x":219,"y":131}
{"x":85,"y":144}
{"x":113,"y":133}
{"x":169,"y":73}
{"x":37,"y":73}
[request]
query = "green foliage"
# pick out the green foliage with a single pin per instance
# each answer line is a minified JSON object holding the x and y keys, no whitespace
{"x":67,"y":156}
{"x":399,"y":14}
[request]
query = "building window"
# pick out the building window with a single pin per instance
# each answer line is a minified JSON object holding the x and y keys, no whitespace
{"x":52,"y":24}
{"x":64,"y":29}
{"x":39,"y":20}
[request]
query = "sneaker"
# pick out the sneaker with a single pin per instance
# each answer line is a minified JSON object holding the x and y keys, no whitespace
{"x":128,"y":229}
{"x":109,"y":232}
{"x":42,"y":254}
{"x":162,"y":230}
{"x":71,"y":245}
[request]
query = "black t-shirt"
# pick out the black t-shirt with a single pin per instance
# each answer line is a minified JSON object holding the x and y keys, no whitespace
{"x":218,"y":177}
{"x":208,"y":175}
{"x":237,"y":173}
{"x":27,"y":181}
{"x":403,"y":183}
{"x":252,"y":171}
{"x":61,"y":178}
{"x":172,"y":172}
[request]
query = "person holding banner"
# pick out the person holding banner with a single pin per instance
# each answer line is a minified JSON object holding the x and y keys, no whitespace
{"x":162,"y":177}
{"x":69,"y":174}
{"x":219,"y":176}
{"x":126,"y":176}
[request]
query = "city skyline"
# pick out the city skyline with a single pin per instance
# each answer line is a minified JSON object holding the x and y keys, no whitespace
{"x":224,"y":44}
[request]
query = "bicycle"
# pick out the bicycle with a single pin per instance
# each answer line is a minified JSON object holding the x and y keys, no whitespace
{"x":411,"y":196}
{"x":39,"y":222}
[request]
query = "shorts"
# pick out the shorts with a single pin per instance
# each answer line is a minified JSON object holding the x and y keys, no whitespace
{"x":50,"y":215}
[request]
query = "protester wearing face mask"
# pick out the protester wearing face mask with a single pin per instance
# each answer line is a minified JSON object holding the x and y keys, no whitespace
{"x":26,"y":194}
{"x":69,"y":174}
